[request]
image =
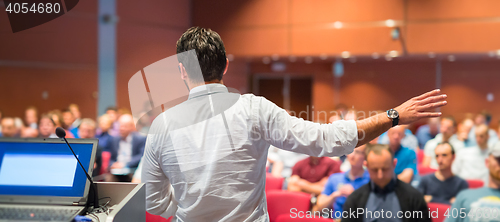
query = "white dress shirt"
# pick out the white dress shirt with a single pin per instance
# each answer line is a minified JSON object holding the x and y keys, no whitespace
{"x":125,"y":150}
{"x":205,"y":158}
{"x":470,"y":164}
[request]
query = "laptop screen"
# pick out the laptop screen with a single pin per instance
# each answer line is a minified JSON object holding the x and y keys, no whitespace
{"x":43,"y":168}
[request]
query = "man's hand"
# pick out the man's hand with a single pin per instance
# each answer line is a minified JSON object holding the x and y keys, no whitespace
{"x":417,"y":108}
{"x":346,"y":190}
{"x":428,"y":198}
{"x":422,"y":106}
{"x":117,"y":165}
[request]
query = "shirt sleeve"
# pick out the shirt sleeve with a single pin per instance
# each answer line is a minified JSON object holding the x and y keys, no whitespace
{"x":159,"y":196}
{"x":422,"y":185}
{"x":330,"y":187}
{"x":412,"y":164}
{"x":274,"y":125}
{"x":296,"y":169}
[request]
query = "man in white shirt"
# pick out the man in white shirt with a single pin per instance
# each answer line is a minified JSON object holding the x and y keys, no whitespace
{"x":470,"y":162}
{"x":205,"y":158}
{"x":448,"y":128}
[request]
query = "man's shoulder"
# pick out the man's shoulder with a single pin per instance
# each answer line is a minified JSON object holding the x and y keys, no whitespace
{"x":336,"y":177}
{"x":408,"y":189}
{"x":407,"y":152}
{"x":427,"y":178}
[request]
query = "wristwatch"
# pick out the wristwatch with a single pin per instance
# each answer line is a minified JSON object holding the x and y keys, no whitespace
{"x":394,"y":116}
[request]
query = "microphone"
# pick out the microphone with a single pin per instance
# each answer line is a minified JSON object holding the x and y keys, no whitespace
{"x":93,"y":197}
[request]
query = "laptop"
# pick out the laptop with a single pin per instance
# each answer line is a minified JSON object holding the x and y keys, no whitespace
{"x":40,"y":179}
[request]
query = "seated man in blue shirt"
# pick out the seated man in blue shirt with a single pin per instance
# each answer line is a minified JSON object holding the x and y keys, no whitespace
{"x":341,"y":185}
{"x":406,"y":166}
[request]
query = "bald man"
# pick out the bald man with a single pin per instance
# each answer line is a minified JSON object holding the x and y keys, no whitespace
{"x":126,"y":149}
{"x":469,"y":163}
{"x":9,"y":128}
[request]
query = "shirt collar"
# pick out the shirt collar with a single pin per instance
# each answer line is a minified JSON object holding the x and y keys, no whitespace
{"x":207,"y":89}
{"x":390,"y":187}
{"x":128,"y":139}
{"x":365,"y":174}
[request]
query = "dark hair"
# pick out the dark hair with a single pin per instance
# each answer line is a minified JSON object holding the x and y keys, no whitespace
{"x":113,"y":108}
{"x":451,"y":119}
{"x":209,"y":50}
{"x":377,"y":149}
{"x":449,"y":144}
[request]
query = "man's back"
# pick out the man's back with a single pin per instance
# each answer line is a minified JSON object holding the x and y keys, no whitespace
{"x":214,"y":154}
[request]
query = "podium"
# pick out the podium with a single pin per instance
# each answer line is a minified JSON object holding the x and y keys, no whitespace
{"x":127,"y":203}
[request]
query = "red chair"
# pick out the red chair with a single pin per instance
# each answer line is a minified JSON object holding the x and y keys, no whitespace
{"x":282,"y":201}
{"x":420,"y":156}
{"x":473,"y":184}
{"x":288,"y":218}
{"x":425,"y":170}
{"x":437,"y":209}
{"x":273,"y":183}
{"x":156,"y":218}
{"x":105,"y":157}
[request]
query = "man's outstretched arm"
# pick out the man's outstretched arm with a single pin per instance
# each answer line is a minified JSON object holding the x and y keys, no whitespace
{"x":416,"y":108}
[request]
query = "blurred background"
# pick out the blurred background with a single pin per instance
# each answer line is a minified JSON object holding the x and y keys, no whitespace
{"x":303,"y":55}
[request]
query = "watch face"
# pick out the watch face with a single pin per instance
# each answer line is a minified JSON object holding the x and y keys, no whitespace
{"x":392,"y":114}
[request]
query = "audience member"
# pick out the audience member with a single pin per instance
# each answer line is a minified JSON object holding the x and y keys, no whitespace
{"x":406,"y":166}
{"x":47,"y":127}
{"x":28,"y":132}
{"x":103,"y":134}
{"x":483,"y":201}
{"x":427,"y":132}
{"x":86,"y":130}
{"x":409,"y":140}
{"x":310,"y":175}
{"x":481,"y":118}
{"x":31,"y":117}
{"x":469,"y":163}
{"x":57,"y":117}
{"x":126,"y":150}
{"x":463,"y":130}
{"x":448,"y":129}
{"x":384,"y":192}
{"x":75,"y":110}
{"x":442,"y":186}
{"x":68,"y":120}
{"x":340,"y":185}
{"x":113,"y":116}
{"x":9,"y":128}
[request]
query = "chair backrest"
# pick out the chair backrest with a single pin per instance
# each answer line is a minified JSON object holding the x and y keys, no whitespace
{"x":425,"y":170}
{"x":288,"y":218}
{"x":438,"y":210}
{"x":105,"y":157}
{"x":473,"y":184}
{"x":156,"y":218}
{"x":282,"y":201}
{"x":274,"y":183}
{"x":420,"y":156}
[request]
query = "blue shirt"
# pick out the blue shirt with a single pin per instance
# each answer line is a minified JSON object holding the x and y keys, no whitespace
{"x":423,"y":135}
{"x":407,"y":159}
{"x":337,"y":180}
